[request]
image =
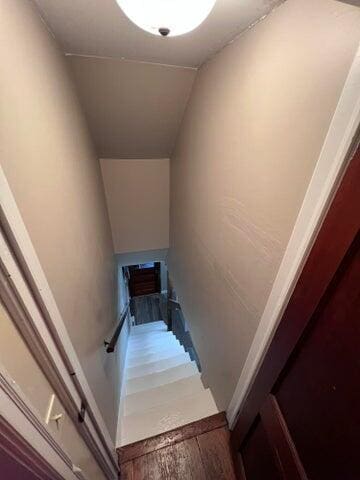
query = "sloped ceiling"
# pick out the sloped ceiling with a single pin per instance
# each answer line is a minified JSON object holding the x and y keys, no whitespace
{"x":134,"y":86}
{"x":133,"y":109}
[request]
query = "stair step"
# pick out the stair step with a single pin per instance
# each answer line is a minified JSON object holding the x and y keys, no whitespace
{"x":157,"y":366}
{"x":154,"y":356}
{"x":165,"y":417}
{"x":152,"y":335}
{"x":153,"y":343}
{"x":153,"y":397}
{"x":148,"y":327}
{"x":141,"y":384}
{"x":141,"y":352}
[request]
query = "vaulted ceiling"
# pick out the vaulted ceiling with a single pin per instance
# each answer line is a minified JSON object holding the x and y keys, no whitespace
{"x":134,"y":86}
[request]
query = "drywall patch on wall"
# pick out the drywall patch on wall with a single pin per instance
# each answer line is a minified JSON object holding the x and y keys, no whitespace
{"x":252,"y":133}
{"x":137,"y":193}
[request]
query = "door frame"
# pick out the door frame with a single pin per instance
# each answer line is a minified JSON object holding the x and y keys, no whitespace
{"x":25,"y":438}
{"x":328,"y":173}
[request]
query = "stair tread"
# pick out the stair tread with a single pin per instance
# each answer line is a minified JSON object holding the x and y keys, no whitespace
{"x":152,"y":349}
{"x":152,"y":380}
{"x":139,"y":337}
{"x":157,"y":366}
{"x":154,"y":356}
{"x":164,"y":393}
{"x":152,"y":334}
{"x":148,"y":327}
{"x":153,"y":343}
{"x":165,"y":417}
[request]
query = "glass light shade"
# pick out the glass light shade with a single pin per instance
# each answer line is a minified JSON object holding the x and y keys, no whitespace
{"x":167,"y":17}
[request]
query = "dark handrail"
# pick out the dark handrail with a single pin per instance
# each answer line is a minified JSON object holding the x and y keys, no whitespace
{"x":175,"y":303}
{"x":111,"y":345}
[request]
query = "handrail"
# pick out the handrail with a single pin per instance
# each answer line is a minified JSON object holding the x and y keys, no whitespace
{"x":175,"y":303}
{"x":111,"y":345}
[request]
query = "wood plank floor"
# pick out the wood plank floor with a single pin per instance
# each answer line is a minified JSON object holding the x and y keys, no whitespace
{"x":205,"y":456}
{"x":147,"y":308}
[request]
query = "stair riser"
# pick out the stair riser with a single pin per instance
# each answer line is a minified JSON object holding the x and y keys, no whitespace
{"x":131,"y":355}
{"x":167,"y":417}
{"x":141,"y":384}
{"x":154,"y":357}
{"x":148,"y":327}
{"x":158,"y":366}
{"x":138,"y":339}
{"x":155,"y":345}
{"x":138,"y":402}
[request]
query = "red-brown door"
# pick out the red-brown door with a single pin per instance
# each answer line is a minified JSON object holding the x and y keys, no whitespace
{"x":144,"y":281}
{"x":302,"y":417}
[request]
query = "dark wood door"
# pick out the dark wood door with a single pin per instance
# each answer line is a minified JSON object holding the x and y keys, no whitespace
{"x":144,"y":280}
{"x":319,"y":393}
{"x":301,"y":419}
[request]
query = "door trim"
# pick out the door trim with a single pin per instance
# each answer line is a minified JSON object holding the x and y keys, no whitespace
{"x":328,"y":172}
{"x":26,"y":439}
{"x":280,"y":440}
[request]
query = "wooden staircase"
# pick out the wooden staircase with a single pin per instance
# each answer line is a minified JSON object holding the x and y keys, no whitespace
{"x":163,"y":386}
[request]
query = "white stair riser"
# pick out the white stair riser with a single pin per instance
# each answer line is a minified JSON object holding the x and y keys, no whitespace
{"x":141,"y":384}
{"x":140,"y":402}
{"x":152,"y":350}
{"x":155,"y":344}
{"x":167,"y":417}
{"x":146,"y":337}
{"x":142,"y":333}
{"x":154,"y":357}
{"x":148,"y":327}
{"x":158,"y":366}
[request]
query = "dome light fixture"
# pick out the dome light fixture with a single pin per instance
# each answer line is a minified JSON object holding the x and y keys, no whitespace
{"x":167,"y":17}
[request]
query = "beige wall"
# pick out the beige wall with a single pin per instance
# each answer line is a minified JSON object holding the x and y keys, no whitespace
{"x":51,"y":167}
{"x":137,"y":193}
{"x":24,"y":370}
{"x":251,"y":135}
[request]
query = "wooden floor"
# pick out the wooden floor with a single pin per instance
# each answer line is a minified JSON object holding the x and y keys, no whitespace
{"x":190,"y":454}
{"x":148,"y":308}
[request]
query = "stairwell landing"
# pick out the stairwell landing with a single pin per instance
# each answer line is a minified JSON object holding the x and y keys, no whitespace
{"x":163,"y":388}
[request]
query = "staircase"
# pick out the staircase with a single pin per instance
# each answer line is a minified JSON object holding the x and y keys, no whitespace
{"x":163,"y":387}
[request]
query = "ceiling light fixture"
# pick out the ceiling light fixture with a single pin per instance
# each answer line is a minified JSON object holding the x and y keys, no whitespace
{"x":167,"y":17}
